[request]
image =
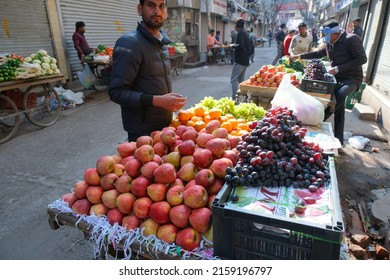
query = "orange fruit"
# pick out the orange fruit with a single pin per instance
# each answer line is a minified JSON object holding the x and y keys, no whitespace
{"x":227,"y":125}
{"x":215,"y":113}
{"x":190,"y":123}
{"x":241,"y":120}
{"x":183,"y":116}
{"x":199,"y":111}
{"x":243,"y":126}
{"x":241,"y":132}
{"x":175,"y":123}
{"x":223,"y":119}
{"x":234,"y":123}
{"x":196,"y":118}
{"x":229,"y":116}
{"x":199,"y":125}
{"x":206,"y":118}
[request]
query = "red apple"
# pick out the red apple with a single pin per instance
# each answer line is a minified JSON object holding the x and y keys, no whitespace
{"x":160,"y":149}
{"x":186,"y":159}
{"x":232,"y":155}
{"x":125,"y":160}
{"x":188,"y":238}
{"x":202,"y":158}
{"x":105,"y":164}
{"x":123,"y":184}
{"x":190,"y":184}
{"x":167,"y":233}
{"x":107,"y":182}
{"x":94,"y":194}
{"x":139,"y":186}
{"x":149,"y":227}
{"x":205,"y":178}
{"x":173,"y":158}
{"x":69,"y":198}
{"x":174,"y":195}
{"x":124,"y":202}
{"x":165,"y":173}
{"x":216,"y":186}
{"x":159,"y":211}
{"x":211,"y":200}
{"x":109,"y":198}
{"x":186,"y":148}
{"x":177,"y":182}
{"x":148,"y":168}
{"x":131,"y":222}
{"x":190,"y":135}
{"x":187,"y":172}
{"x":234,"y":139}
{"x":114,"y":216}
{"x":141,"y":207}
{"x":195,"y":197}
{"x":117,"y":158}
{"x":144,"y":140}
{"x":219,"y":166}
{"x":82,"y":206}
{"x":217,"y":146}
{"x":220,"y":132}
{"x":98,"y":210}
{"x":200,"y":219}
{"x":145,"y":153}
{"x":203,"y":138}
{"x":168,"y":137}
{"x":126,"y":149}
{"x":173,"y":147}
{"x":212,"y":125}
{"x":179,"y":215}
{"x":157,"y":191}
{"x":80,"y":189}
{"x":92,"y":177}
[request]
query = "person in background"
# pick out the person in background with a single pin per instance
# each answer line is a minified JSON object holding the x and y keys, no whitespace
{"x":315,"y":37}
{"x":346,"y":55}
{"x":269,"y":36}
{"x":141,"y":82}
{"x":233,"y":37}
{"x":357,"y":29}
{"x":211,"y":42}
{"x":252,"y":38}
{"x":287,"y":41}
{"x":301,"y":42}
{"x":80,"y":42}
{"x":280,"y":35}
{"x":241,"y":60}
{"x":218,"y":36}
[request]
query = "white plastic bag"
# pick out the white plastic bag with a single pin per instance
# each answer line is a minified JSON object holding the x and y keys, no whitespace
{"x":308,"y":110}
{"x":358,"y":142}
{"x":86,"y":77}
{"x":73,"y":97}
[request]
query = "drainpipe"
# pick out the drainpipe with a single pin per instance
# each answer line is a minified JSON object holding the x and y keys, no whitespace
{"x":374,"y":56}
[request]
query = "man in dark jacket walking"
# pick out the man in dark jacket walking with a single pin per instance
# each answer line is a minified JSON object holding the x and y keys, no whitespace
{"x":242,"y":52}
{"x":140,"y":81}
{"x":346,"y":54}
{"x":280,"y":35}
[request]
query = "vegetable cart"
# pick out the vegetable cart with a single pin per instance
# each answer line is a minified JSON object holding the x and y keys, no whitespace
{"x":33,"y":97}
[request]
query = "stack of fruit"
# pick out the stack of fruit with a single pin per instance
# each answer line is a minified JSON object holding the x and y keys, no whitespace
{"x":271,"y":76}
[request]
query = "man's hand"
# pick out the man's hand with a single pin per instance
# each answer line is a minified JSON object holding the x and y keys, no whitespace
{"x":170,"y":101}
{"x":294,"y":57}
{"x":333,"y":70}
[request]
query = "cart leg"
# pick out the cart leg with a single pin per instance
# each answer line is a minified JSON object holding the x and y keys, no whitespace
{"x":9,"y":118}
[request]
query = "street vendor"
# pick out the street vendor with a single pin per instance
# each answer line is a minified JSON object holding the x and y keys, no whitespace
{"x":346,"y":54}
{"x":80,"y":42}
{"x":141,"y":82}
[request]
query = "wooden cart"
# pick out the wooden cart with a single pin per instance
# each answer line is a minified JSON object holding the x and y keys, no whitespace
{"x":33,"y":97}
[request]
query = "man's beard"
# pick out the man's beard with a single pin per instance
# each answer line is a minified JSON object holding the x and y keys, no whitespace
{"x":152,"y":24}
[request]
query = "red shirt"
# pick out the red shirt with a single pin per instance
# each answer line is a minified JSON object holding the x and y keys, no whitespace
{"x":286,"y":44}
{"x":81,"y":44}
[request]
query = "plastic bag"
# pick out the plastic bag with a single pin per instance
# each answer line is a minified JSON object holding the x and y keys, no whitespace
{"x":210,"y":53}
{"x":86,"y":77}
{"x":308,"y":110}
{"x":358,"y":142}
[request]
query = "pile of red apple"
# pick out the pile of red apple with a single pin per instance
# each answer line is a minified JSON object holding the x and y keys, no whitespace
{"x":271,"y":76}
{"x":163,"y":184}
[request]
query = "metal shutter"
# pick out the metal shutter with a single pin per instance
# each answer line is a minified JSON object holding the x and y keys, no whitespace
{"x":105,"y":22}
{"x":25,"y":27}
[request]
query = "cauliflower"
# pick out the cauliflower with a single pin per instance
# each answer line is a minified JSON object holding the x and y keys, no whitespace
{"x":33,"y":55}
{"x":42,"y":52}
{"x":50,"y":72}
{"x":45,"y":66}
{"x":53,"y":60}
{"x":43,"y":72}
{"x":57,"y":71}
{"x":36,"y":61}
{"x":27,"y":59}
{"x":53,"y":66}
{"x":46,"y":59}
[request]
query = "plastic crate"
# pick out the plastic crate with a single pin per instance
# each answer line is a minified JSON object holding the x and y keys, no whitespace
{"x":318,"y":86}
{"x":354,"y":97}
{"x":245,"y":234}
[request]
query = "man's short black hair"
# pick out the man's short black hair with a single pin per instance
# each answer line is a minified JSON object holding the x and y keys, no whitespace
{"x":331,"y":23}
{"x":79,"y":24}
{"x":302,"y":24}
{"x":211,"y":31}
{"x":240,"y":23}
{"x":283,"y":25}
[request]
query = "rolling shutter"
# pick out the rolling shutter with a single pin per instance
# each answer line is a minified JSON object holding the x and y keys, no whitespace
{"x":105,"y":22}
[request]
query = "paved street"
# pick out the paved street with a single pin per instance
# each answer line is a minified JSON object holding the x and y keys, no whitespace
{"x":39,"y":165}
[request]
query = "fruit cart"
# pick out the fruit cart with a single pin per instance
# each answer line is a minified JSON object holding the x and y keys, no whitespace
{"x":33,"y":97}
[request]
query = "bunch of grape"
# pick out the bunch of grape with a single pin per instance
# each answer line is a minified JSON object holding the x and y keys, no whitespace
{"x":275,"y":154}
{"x":315,"y":70}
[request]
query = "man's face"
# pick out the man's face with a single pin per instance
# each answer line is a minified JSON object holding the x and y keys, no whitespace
{"x":153,"y":12}
{"x":302,"y":31}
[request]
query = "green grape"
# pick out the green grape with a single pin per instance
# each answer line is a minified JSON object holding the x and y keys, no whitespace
{"x":248,"y":111}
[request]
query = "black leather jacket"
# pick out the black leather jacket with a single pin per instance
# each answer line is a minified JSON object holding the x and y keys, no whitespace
{"x":141,"y":69}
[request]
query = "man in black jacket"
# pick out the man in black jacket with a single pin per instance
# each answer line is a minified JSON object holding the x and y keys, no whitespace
{"x":280,"y":35}
{"x":141,"y":82}
{"x":346,"y":54}
{"x":242,"y":52}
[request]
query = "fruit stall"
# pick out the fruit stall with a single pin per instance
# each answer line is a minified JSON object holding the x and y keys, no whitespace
{"x":223,"y":181}
{"x":26,"y":89}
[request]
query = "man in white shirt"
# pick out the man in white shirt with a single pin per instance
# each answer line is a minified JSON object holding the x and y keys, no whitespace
{"x":302,"y":42}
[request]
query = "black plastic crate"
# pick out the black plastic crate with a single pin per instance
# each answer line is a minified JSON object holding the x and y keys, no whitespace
{"x":243,"y":234}
{"x":317,"y":86}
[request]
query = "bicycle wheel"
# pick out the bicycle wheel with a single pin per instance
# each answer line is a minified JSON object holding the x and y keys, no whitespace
{"x":9,"y":118}
{"x":42,"y":105}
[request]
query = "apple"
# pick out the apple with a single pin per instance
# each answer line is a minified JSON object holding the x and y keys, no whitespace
{"x":105,"y":164}
{"x":180,"y":130}
{"x":234,"y":139}
{"x":139,"y":186}
{"x":149,"y":227}
{"x":220,"y":132}
{"x":126,"y":149}
{"x":205,"y":178}
{"x":190,"y":135}
{"x":114,"y":216}
{"x":188,"y":238}
{"x":200,"y":219}
{"x":107,"y":182}
{"x":82,"y":206}
{"x":125,"y":160}
{"x":94,"y":194}
{"x":98,"y":210}
{"x":145,"y":153}
{"x":217,"y":146}
{"x":157,"y":191}
{"x":144,"y":140}
{"x":157,"y":159}
{"x":211,"y":200}
{"x":167,"y":233}
{"x":124,"y":202}
{"x":117,"y":158}
{"x":186,"y":148}
{"x":173,"y":147}
{"x":160,"y":149}
{"x":168,"y":137}
{"x":177,"y":182}
{"x":133,"y":167}
{"x":195,"y":197}
{"x":232,"y":155}
{"x":179,"y":215}
{"x":141,"y":207}
{"x":208,"y":235}
{"x":173,"y":158}
{"x":148,"y":168}
{"x":212,"y":125}
{"x":219,"y":166}
{"x":69,"y":198}
{"x":156,"y":136}
{"x":159,"y":211}
{"x":109,"y":198}
{"x":165,"y":173}
{"x":174,"y":195}
{"x":203,"y":138}
{"x":91,"y":176}
{"x":131,"y":222}
{"x":216,"y":186}
{"x":202,"y":158}
{"x":190,"y":184}
{"x":123,"y":184}
{"x":118,"y":169}
{"x":186,"y":159}
{"x":187,"y":172}
{"x":80,"y":189}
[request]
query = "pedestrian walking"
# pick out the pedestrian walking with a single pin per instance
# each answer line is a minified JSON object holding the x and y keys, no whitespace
{"x":346,"y":54}
{"x":253,"y":40}
{"x":141,"y":82}
{"x":269,"y":36}
{"x":279,"y":42}
{"x":357,"y":29}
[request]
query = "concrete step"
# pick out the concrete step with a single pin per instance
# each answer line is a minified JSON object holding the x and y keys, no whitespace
{"x":364,"y":112}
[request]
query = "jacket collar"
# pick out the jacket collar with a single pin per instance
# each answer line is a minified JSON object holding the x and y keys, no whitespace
{"x":141,"y":28}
